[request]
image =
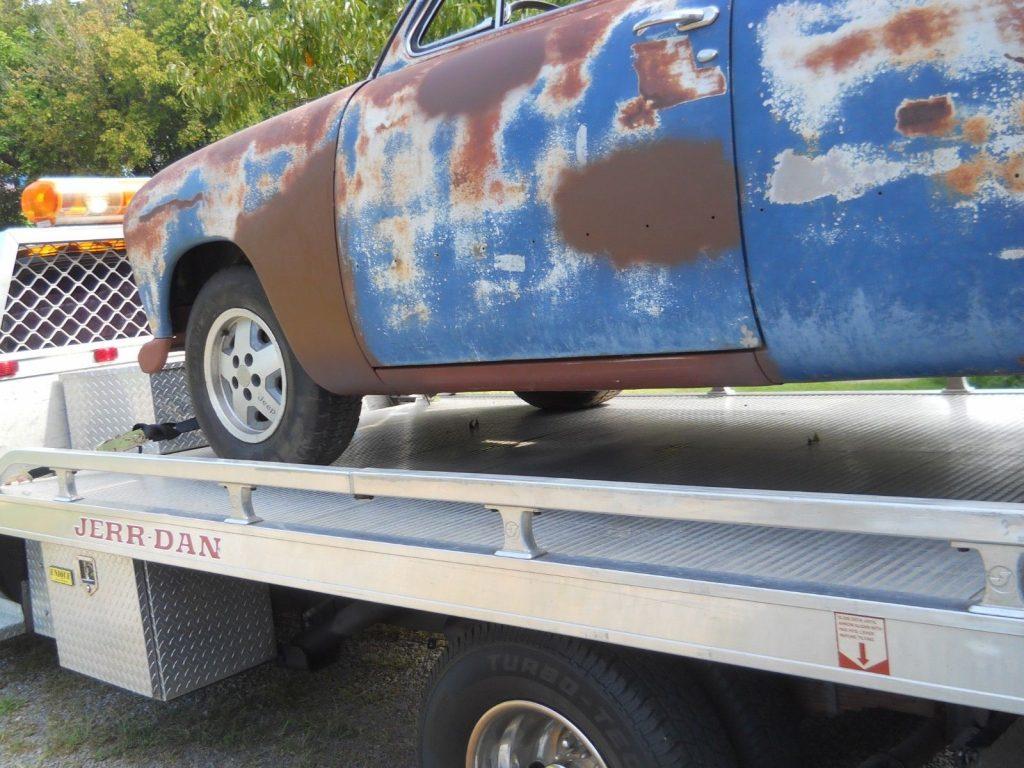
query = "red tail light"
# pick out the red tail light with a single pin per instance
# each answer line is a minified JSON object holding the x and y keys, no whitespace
{"x":105,"y":354}
{"x":8,"y":368}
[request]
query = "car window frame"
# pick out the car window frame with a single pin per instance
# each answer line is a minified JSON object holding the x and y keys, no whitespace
{"x":414,"y":46}
{"x":429,"y":8}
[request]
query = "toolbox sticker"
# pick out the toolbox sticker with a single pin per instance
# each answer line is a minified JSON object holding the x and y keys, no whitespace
{"x":862,"y":643}
{"x":63,"y":576}
{"x":155,"y":538}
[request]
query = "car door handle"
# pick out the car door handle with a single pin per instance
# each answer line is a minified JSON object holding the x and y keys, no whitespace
{"x":684,"y":19}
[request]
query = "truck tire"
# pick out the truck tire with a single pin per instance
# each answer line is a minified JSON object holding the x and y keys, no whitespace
{"x":758,"y":711}
{"x":252,"y":398}
{"x":562,"y":701}
{"x":567,"y":401}
{"x":13,"y":567}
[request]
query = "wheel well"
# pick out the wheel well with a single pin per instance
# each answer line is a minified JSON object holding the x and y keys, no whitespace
{"x":191,"y":272}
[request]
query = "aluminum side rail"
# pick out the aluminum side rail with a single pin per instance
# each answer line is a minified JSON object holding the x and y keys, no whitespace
{"x":994,"y":529}
{"x":973,"y":657}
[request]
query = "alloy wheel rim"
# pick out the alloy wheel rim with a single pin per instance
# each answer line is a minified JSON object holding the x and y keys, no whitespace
{"x":524,"y":734}
{"x":245,"y":375}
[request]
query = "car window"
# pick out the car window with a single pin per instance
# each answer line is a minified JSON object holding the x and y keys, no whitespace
{"x":455,"y":18}
{"x":517,"y":10}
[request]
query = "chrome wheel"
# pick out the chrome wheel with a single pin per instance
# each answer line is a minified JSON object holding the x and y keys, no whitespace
{"x":245,"y":377}
{"x":522,"y":734}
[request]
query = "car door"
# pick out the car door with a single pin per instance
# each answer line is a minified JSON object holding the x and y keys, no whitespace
{"x":557,"y":185}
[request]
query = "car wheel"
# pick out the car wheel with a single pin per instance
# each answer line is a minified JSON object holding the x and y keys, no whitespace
{"x":252,"y":398}
{"x":567,"y":401}
{"x":501,"y":696}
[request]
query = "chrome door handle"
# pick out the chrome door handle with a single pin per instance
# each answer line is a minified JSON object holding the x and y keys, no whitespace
{"x":684,"y":19}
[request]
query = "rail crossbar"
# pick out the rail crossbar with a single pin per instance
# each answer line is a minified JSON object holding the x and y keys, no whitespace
{"x":994,"y":529}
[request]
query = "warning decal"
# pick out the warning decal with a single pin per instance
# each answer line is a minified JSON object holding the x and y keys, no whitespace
{"x":862,"y":643}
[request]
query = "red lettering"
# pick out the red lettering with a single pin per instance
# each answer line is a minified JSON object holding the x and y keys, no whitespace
{"x":95,"y":528}
{"x":164,"y":539}
{"x":209,"y":547}
{"x":135,"y":535}
{"x":114,"y":532}
{"x":80,"y":528}
{"x":185,"y":545}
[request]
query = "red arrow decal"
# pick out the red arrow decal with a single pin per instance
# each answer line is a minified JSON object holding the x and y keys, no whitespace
{"x":863,"y":658}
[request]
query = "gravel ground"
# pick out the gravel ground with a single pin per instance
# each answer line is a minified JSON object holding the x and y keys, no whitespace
{"x":362,"y":711}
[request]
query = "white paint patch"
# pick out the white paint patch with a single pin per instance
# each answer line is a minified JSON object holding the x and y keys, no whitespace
{"x":487,"y":292}
{"x":848,"y":171}
{"x":510,"y":262}
{"x":1012,"y":254}
{"x":748,"y":338}
{"x":807,"y":91}
{"x":581,"y":144}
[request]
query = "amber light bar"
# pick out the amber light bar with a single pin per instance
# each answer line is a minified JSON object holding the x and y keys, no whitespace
{"x":78,"y":200}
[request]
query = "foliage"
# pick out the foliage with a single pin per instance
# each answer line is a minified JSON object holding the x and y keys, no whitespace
{"x":85,"y":89}
{"x":265,"y":58}
{"x":125,"y":87}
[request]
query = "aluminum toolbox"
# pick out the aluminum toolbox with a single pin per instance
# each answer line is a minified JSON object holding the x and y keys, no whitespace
{"x":153,"y":629}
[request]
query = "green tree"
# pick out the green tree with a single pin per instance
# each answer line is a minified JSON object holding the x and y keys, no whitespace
{"x":263,"y":58}
{"x":87,"y":88}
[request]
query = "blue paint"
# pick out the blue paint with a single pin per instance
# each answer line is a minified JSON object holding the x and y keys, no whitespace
{"x":905,"y":279}
{"x":462,"y":306}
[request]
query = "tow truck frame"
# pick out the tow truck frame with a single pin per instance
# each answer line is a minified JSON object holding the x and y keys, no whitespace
{"x":513,"y":549}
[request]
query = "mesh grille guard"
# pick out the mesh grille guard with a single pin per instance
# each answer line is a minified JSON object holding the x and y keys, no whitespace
{"x":67,"y":294}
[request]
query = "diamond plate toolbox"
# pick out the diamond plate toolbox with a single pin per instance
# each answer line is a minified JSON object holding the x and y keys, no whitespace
{"x":154,"y":629}
{"x":106,"y":402}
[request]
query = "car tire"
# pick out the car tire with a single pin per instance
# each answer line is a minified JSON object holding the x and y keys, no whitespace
{"x":258,"y":404}
{"x":567,"y":401}
{"x":758,"y":711}
{"x":615,"y":705}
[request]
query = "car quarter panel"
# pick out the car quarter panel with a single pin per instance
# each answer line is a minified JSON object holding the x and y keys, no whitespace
{"x":881,"y":151}
{"x":270,"y":190}
{"x":559,"y":188}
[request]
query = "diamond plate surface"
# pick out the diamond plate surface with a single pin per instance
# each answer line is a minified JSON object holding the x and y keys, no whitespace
{"x":106,"y":402}
{"x":157,"y":630}
{"x":206,"y":627}
{"x":38,"y":584}
{"x":100,"y":635}
{"x":924,"y":445}
{"x":172,"y":402}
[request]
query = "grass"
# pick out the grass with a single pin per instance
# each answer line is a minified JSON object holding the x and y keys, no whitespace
{"x":869,"y":385}
{"x":10,"y":704}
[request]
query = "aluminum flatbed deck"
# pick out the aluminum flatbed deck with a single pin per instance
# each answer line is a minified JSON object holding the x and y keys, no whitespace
{"x":758,"y":530}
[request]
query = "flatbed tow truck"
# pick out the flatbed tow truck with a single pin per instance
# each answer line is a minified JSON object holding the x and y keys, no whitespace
{"x":854,"y":542}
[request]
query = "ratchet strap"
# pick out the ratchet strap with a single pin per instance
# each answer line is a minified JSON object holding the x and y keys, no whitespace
{"x":149,"y":433}
{"x":139,"y":435}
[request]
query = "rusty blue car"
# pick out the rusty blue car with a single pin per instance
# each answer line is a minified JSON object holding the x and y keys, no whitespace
{"x":567,"y":199}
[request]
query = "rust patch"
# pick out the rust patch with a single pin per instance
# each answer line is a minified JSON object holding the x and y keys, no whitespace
{"x":976,"y":129}
{"x":1012,"y":173}
{"x":912,"y":32}
{"x":842,"y":54}
{"x":967,"y":177}
{"x":667,"y":203}
{"x":569,"y":46}
{"x":472,"y":83}
{"x":638,"y":113}
{"x":667,"y":73}
{"x":925,"y":117}
{"x":1011,"y":22}
{"x":153,"y":355}
{"x":918,"y":28}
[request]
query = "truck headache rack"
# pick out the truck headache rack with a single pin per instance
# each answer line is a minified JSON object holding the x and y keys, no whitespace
{"x":916,"y":596}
